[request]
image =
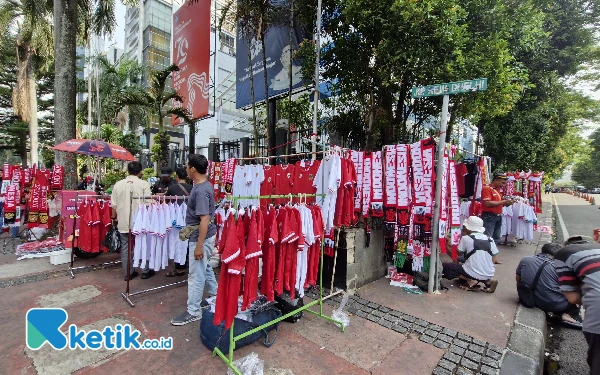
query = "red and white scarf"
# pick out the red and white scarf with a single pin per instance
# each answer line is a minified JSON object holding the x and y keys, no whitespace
{"x":58,"y":177}
{"x":10,"y":205}
{"x":366,"y":188}
{"x":357,"y":159}
{"x":443,"y":227}
{"x":377,"y":185}
{"x":391,"y":196}
{"x":228,"y":170}
{"x":455,"y":224}
{"x":403,"y":196}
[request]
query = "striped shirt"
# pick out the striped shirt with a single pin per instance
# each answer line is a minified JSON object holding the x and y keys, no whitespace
{"x":578,"y":269}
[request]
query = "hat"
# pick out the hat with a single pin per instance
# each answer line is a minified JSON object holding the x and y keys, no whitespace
{"x":474,"y":224}
{"x":166,"y":172}
{"x":499,"y":176}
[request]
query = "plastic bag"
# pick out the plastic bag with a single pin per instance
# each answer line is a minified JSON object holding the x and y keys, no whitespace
{"x":248,"y":365}
{"x":339,"y":314}
{"x":112,"y":241}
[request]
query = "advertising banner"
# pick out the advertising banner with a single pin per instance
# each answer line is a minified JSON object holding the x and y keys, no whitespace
{"x":191,"y":52}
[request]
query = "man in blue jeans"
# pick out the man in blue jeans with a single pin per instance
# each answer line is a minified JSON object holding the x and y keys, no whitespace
{"x":200,"y":212}
{"x":492,"y":203}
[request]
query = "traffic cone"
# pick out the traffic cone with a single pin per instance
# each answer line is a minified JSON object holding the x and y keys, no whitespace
{"x":593,"y":201}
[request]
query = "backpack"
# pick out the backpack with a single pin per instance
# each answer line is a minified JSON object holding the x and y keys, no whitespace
{"x":526,"y":292}
{"x":479,"y":245}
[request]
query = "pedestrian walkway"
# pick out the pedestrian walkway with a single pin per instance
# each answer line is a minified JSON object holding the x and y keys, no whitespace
{"x":390,"y":332}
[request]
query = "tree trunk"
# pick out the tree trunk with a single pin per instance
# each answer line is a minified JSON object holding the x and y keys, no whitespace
{"x":20,"y":96}
{"x":369,"y":143}
{"x":89,"y":84}
{"x":254,"y":124}
{"x":65,"y":84}
{"x":33,"y":123}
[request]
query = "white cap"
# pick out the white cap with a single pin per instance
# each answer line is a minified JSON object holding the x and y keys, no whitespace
{"x":474,"y":224}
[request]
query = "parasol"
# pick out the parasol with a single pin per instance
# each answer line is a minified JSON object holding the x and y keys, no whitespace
{"x":95,"y":148}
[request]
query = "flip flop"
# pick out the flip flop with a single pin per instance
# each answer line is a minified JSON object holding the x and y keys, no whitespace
{"x":491,"y":288}
{"x":473,"y":288}
{"x":174,"y":273}
{"x":574,"y":325}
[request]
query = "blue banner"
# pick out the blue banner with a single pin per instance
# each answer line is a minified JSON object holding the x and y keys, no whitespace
{"x":277,"y":44}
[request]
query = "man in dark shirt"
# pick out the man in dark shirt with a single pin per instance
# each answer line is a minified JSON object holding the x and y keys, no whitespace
{"x":179,"y":189}
{"x":547,"y":295}
{"x":161,"y":186}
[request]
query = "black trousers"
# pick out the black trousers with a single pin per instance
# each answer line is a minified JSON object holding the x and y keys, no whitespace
{"x":593,"y":359}
{"x":187,"y":261}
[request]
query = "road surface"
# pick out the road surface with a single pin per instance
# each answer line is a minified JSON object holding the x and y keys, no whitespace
{"x":574,"y":217}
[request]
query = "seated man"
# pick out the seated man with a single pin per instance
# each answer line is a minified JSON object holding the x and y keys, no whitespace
{"x":479,"y":257}
{"x":547,"y":294}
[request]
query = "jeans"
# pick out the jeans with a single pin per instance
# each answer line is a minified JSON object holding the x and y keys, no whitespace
{"x":593,"y":358}
{"x":493,"y":225}
{"x":200,"y":273}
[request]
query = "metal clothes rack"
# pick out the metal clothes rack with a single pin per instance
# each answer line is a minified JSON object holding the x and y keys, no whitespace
{"x":75,"y":217}
{"x":127,"y":294}
{"x":228,"y":359}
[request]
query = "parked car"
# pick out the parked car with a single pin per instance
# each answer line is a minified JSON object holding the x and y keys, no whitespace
{"x":596,"y":191}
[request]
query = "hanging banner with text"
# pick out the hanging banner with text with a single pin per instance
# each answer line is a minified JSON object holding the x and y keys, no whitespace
{"x":191,"y":52}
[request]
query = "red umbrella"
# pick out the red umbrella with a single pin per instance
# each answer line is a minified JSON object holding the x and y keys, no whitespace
{"x":95,"y":148}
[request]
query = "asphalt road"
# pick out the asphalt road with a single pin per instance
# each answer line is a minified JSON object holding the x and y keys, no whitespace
{"x":578,"y":218}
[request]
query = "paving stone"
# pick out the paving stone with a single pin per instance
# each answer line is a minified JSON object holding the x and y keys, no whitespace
{"x":457,"y":350}
{"x":445,"y":338}
{"x":494,"y":355}
{"x":373,"y":318}
{"x":441,"y":344}
{"x":427,"y":339}
{"x":495,"y":348}
{"x":476,"y":348}
{"x":393,"y":319}
{"x":367,"y":310}
{"x":363,"y":301}
{"x":418,"y":329}
{"x":362,"y":314}
{"x":404,"y":324}
{"x":464,"y":371}
{"x":385,"y":323}
{"x":397,"y":314}
{"x":409,"y":318}
{"x":450,"y":366}
{"x":399,"y":328}
{"x":449,"y":332}
{"x":479,"y":342}
{"x":389,"y":318}
{"x":377,"y":313}
{"x":431,"y":333}
{"x":490,"y":362}
{"x":469,"y":364}
{"x":485,"y":370}
{"x":441,"y":371}
{"x":373,"y":305}
{"x":473,"y":356}
{"x":421,"y":322}
{"x":384,"y":309}
{"x":452,"y":357}
{"x":352,"y":310}
{"x":462,"y":344}
{"x":464,"y":337}
{"x":435,"y":327}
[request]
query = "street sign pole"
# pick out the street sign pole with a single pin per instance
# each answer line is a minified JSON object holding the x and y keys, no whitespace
{"x":434,"y":277}
{"x":445,"y":89}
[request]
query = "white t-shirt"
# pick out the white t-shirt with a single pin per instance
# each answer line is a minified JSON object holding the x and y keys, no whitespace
{"x":480,"y":265}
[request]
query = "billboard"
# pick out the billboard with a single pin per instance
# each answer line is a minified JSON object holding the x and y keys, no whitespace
{"x":191,"y":52}
{"x":277,"y":44}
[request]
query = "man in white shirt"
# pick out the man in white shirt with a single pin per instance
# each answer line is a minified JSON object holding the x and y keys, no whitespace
{"x":478,"y":254}
{"x":121,"y":203}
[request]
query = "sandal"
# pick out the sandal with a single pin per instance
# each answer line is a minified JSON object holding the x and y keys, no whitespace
{"x":472,"y":288}
{"x":174,"y":273}
{"x":490,"y":287}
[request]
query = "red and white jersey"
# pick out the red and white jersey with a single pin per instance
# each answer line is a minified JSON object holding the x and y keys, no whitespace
{"x":267,"y":187}
{"x":305,"y":173}
{"x":284,"y":181}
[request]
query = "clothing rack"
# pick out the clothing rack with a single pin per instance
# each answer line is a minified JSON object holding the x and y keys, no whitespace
{"x":75,"y":217}
{"x":281,"y":156}
{"x":228,"y":359}
{"x":127,"y":294}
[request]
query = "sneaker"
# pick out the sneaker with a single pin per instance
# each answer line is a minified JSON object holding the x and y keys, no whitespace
{"x":148,"y":274}
{"x":132,"y":276}
{"x":184,"y":319}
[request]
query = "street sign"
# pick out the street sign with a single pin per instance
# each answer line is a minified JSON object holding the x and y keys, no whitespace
{"x":451,"y":88}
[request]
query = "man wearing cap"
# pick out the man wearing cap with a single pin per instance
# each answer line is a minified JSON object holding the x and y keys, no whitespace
{"x":492,"y":203}
{"x":478,"y":252}
{"x":166,"y":180}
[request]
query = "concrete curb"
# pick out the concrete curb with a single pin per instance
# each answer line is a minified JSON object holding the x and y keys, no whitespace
{"x":527,"y":341}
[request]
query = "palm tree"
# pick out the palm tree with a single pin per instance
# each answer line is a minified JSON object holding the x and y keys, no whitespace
{"x":31,"y":23}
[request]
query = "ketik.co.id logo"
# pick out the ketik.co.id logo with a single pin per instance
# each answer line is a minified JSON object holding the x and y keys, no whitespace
{"x":43,"y":325}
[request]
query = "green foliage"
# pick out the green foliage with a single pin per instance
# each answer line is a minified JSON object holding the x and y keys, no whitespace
{"x":111,"y":178}
{"x":147,"y":173}
{"x":160,"y":148}
{"x":47,"y":156}
{"x":587,"y":170}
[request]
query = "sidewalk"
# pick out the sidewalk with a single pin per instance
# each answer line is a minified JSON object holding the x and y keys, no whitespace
{"x":390,"y":332}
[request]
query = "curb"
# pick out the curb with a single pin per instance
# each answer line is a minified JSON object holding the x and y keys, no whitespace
{"x":526,"y":346}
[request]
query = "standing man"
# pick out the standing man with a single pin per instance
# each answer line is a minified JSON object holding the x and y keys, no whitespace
{"x":166,"y":180}
{"x":201,"y":213}
{"x":492,"y":204}
{"x":180,"y":189}
{"x":578,"y":268}
{"x":121,"y":203}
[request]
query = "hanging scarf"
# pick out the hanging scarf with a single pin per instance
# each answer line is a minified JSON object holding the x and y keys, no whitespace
{"x":455,"y":224}
{"x":366,"y":188}
{"x":6,"y":178}
{"x":44,"y":211}
{"x":58,"y":177}
{"x":401,"y":234}
{"x":444,"y":205}
{"x":391,"y":199}
{"x":10,"y":206}
{"x":377,"y":186}
{"x":228,"y":170}
{"x":357,"y":159}
{"x":215,"y":179}
{"x":34,"y":206}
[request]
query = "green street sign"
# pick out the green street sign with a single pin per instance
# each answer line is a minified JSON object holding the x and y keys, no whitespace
{"x":451,"y":88}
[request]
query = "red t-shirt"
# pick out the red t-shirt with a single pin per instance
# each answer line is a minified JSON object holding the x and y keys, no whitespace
{"x":95,"y":230}
{"x":284,"y":181}
{"x":84,"y":241}
{"x":304,"y":177}
{"x":268,"y":185}
{"x":489,"y":194}
{"x":350,"y":187}
{"x":461,"y":172}
{"x":105,"y":223}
